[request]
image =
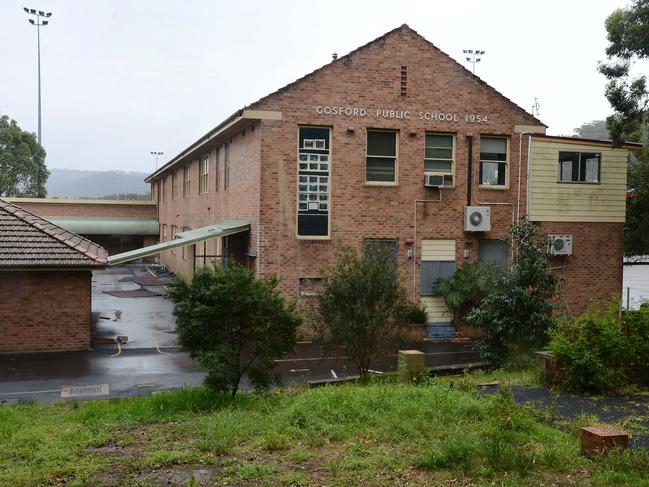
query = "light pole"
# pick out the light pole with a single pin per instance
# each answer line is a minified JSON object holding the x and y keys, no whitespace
{"x":474,"y":56}
{"x":156,"y":155}
{"x":38,"y":23}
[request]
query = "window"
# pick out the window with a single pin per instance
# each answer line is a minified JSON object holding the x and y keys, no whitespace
{"x":174,"y":186}
{"x":580,"y":167}
{"x":164,"y":233}
{"x":162,"y":188}
{"x":431,"y":271}
{"x":496,"y":251}
{"x":217,"y":169}
{"x":314,"y":165}
{"x":173,"y":236}
{"x":226,"y":165}
{"x":186,"y":181}
{"x":204,"y":174}
{"x":390,"y":243}
{"x":381,"y":161}
{"x":493,"y":161}
{"x":439,"y":156}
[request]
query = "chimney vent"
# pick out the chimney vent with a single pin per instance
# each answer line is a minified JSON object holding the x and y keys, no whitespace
{"x":334,"y":56}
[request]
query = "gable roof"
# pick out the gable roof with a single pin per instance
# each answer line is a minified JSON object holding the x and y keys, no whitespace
{"x":239,"y":114}
{"x":27,"y":240}
{"x":405,"y":28}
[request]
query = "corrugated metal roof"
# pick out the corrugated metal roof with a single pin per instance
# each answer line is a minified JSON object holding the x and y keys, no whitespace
{"x":107,"y":225}
{"x":27,"y":240}
{"x":228,"y":227}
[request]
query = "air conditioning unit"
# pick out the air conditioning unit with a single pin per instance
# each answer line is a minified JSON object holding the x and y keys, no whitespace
{"x":560,"y":244}
{"x":433,"y":181}
{"x":477,"y":218}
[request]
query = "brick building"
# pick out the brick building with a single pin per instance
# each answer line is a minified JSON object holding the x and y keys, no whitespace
{"x":45,"y":279}
{"x":395,"y":142}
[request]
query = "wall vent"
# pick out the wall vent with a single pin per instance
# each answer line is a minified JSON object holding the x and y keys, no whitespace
{"x":404,"y":80}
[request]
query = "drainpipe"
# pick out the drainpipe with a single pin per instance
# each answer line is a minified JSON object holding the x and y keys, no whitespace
{"x":469,"y":142}
{"x":520,"y":163}
{"x":414,"y":243}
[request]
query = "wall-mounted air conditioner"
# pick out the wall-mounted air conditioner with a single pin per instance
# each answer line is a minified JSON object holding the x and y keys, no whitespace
{"x":560,"y":244}
{"x":433,"y":181}
{"x":477,"y":218}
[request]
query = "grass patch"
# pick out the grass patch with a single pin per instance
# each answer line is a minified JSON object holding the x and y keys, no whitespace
{"x":380,"y":433}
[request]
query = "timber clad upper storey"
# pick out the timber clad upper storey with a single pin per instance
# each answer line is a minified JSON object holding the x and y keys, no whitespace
{"x":391,"y":142}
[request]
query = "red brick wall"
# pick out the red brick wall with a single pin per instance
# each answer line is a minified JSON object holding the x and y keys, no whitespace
{"x":264,"y":171}
{"x":240,"y":201}
{"x":593,"y":272}
{"x":52,"y":209}
{"x":44,"y":311}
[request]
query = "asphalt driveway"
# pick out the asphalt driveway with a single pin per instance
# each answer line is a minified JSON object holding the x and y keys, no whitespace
{"x":135,"y":350}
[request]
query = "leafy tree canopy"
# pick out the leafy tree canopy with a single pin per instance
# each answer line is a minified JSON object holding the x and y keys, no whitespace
{"x":593,"y":130}
{"x":22,"y":162}
{"x":628,"y":36}
{"x":234,"y":324}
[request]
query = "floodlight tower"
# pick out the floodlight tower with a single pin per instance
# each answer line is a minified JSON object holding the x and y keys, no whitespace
{"x":39,"y":14}
{"x":474,"y":56}
{"x":156,"y":154}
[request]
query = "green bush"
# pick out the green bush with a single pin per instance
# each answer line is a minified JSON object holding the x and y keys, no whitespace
{"x":597,"y":352}
{"x":411,"y":314}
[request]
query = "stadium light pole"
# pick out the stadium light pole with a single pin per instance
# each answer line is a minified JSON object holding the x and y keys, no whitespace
{"x":156,"y":155}
{"x":474,"y":56}
{"x":39,"y":22}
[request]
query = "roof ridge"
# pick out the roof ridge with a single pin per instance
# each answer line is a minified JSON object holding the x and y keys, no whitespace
{"x":42,"y":224}
{"x":402,"y":27}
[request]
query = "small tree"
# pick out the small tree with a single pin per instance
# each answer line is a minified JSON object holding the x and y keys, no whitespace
{"x":360,"y":304}
{"x":234,"y":324}
{"x":516,"y":315}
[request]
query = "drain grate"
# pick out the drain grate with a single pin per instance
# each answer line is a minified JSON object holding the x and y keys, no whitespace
{"x":84,"y":391}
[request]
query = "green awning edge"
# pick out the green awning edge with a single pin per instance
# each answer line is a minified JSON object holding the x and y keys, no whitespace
{"x":107,"y":226}
{"x":183,"y":239}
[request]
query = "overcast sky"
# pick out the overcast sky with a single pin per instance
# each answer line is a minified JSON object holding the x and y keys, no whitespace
{"x":122,"y":78}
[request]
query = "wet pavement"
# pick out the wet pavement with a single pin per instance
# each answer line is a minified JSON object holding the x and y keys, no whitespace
{"x":147,"y":358}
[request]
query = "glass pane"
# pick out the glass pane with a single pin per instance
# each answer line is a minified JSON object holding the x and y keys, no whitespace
{"x":569,"y":166}
{"x":435,"y":140}
{"x":489,"y":173}
{"x":592,"y":170}
{"x":438,"y":166}
{"x":493,"y":149}
{"x":439,"y":153}
{"x":381,"y":143}
{"x":380,"y":169}
{"x":313,"y":137}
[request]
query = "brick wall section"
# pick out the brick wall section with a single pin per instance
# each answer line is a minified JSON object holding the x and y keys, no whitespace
{"x":264,"y":172}
{"x":44,"y":311}
{"x":240,"y":201}
{"x":594,"y":270}
{"x":359,"y":211}
{"x":75,"y":209}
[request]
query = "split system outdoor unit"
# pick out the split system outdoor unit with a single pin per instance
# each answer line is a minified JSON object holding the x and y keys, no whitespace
{"x":560,"y":244}
{"x":477,"y":218}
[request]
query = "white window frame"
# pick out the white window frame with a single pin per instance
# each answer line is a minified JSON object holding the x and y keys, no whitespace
{"x":396,"y":158}
{"x":441,"y":173}
{"x":506,"y":162}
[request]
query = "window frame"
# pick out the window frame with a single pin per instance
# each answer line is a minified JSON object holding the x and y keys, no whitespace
{"x":507,"y":162}
{"x":599,"y":168}
{"x":163,"y":196}
{"x":174,"y":230}
{"x":329,"y":182}
{"x":174,"y":185}
{"x":187,"y":180}
{"x":435,"y":262}
{"x":384,"y":241}
{"x":453,"y":157}
{"x":204,"y":174}
{"x":226,"y":165}
{"x":217,"y":167}
{"x":396,"y":157}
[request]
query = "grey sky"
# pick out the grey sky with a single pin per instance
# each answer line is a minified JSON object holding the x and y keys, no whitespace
{"x":123,"y":78}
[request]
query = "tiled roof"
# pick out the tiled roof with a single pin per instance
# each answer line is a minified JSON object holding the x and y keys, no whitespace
{"x":27,"y":240}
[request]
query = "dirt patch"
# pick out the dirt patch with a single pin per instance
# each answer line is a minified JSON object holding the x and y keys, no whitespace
{"x":179,"y":475}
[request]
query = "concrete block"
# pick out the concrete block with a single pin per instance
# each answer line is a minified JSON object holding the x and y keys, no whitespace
{"x":598,"y":439}
{"x":411,"y":364}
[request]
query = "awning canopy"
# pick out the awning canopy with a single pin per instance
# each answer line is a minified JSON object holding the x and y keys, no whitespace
{"x":107,"y":226}
{"x":182,"y":239}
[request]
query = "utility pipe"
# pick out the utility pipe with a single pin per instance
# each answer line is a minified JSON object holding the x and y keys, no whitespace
{"x":414,"y":243}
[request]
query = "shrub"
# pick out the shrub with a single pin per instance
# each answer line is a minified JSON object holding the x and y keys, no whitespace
{"x":597,"y":352}
{"x":234,"y":324}
{"x":410,"y":313}
{"x":360,"y":303}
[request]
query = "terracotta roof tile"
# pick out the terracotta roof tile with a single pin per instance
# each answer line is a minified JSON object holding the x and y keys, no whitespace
{"x":27,"y":240}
